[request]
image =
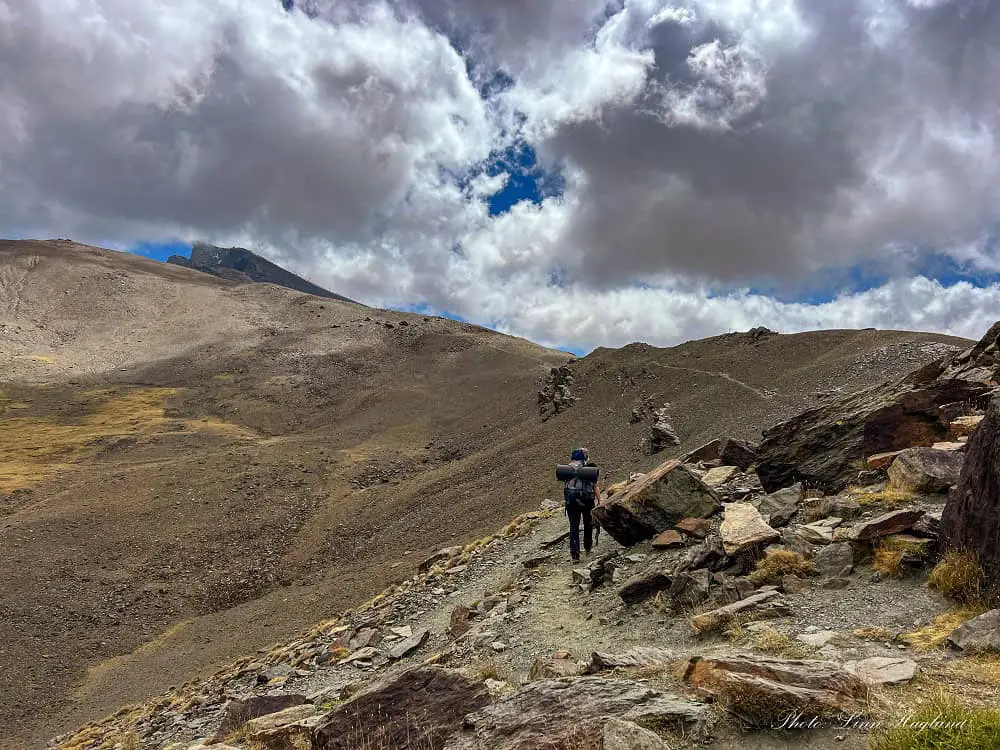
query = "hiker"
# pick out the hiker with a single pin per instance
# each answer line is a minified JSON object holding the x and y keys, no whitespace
{"x":581,"y":498}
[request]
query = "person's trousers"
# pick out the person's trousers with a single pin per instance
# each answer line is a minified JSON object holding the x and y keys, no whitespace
{"x":576,"y":514}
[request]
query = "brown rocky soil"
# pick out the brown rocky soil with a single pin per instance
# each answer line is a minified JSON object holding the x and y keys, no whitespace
{"x":191,"y":468}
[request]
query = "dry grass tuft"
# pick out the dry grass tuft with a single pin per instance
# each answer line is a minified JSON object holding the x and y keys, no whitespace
{"x":874,"y":634}
{"x":933,"y":635}
{"x":488,"y":669}
{"x":942,"y":723}
{"x":981,"y":669}
{"x":767,"y":641}
{"x":889,"y":497}
{"x":776,"y":565}
{"x":958,"y":576}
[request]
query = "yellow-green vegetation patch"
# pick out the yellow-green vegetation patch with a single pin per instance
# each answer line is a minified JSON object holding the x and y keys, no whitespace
{"x":32,"y":448}
{"x":892,"y":553}
{"x":933,"y":635}
{"x":888,"y":497}
{"x":958,"y":576}
{"x":941,"y":723}
{"x":776,"y":565}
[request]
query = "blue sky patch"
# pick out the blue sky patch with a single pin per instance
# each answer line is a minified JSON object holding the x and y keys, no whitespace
{"x":528,"y":180}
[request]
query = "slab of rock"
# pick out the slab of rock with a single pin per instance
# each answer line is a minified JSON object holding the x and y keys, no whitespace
{"x":719,"y":475}
{"x":654,"y":503}
{"x":925,"y":470}
{"x":792,"y":584}
{"x":761,"y":689}
{"x":239,"y":712}
{"x":709,"y":554}
{"x":536,"y":561}
{"x":819,"y":532}
{"x":835,"y":560}
{"x":461,"y":621}
{"x":409,"y":645}
{"x":668,"y":539}
{"x":965,"y":425}
{"x":981,"y":633}
{"x":818,"y":639}
{"x":641,"y":587}
{"x":285,"y":730}
{"x":690,"y":587}
{"x":842,"y":507}
{"x":821,"y":446}
{"x":707,"y":452}
{"x":383,"y":714}
{"x":892,"y":522}
{"x":695,"y":527}
{"x":440,"y":556}
{"x":641,"y":656}
{"x":882,"y":460}
{"x":718,"y":618}
{"x":551,"y":713}
{"x":550,"y":667}
{"x":971,"y":519}
{"x":733,"y":452}
{"x":950,"y":446}
{"x":883,"y":670}
{"x":742,"y":528}
{"x":779,"y":507}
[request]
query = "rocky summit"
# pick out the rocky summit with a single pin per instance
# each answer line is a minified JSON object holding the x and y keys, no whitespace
{"x":238,"y":515}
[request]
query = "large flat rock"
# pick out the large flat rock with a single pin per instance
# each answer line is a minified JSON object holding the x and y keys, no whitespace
{"x":655,"y":502}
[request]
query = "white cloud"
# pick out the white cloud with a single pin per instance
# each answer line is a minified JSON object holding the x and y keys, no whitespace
{"x":703,"y":144}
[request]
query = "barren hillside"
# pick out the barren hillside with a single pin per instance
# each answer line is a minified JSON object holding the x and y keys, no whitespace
{"x":192,"y":468}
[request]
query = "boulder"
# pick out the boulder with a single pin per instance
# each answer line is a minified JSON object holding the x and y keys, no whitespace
{"x":420,"y":707}
{"x":779,"y":507}
{"x":641,"y":587}
{"x":668,"y":539}
{"x":639,"y":657}
{"x":818,"y":532}
{"x":971,"y":518}
{"x":239,"y":712}
{"x":696,"y":527}
{"x":925,"y":470}
{"x":690,"y":588}
{"x":289,"y":729}
{"x":719,"y":475}
{"x":742,"y":528}
{"x":842,"y":507}
{"x":835,"y":560}
{"x":883,"y":670}
{"x":822,"y":446}
{"x":707,"y":452}
{"x":654,"y":503}
{"x":553,"y":713}
{"x":892,"y":522}
{"x":981,"y":633}
{"x":709,"y":554}
{"x":733,"y":452}
{"x":549,"y":667}
{"x":764,"y":691}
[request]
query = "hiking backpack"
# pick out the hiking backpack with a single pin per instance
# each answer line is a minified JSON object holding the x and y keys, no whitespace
{"x":579,"y":492}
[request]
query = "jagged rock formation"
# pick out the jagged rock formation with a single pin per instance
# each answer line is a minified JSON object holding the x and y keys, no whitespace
{"x":971,"y":519}
{"x":825,"y":446}
{"x":238,"y":264}
{"x":556,"y":396}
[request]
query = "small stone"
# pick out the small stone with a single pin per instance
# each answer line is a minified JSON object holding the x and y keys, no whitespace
{"x":498,"y":646}
{"x":817,"y":640}
{"x":696,"y":527}
{"x":743,"y":527}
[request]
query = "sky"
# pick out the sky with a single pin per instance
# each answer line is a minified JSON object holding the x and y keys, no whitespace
{"x":583,"y":174}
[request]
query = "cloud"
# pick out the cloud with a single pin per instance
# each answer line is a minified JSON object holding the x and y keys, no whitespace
{"x":701,"y":148}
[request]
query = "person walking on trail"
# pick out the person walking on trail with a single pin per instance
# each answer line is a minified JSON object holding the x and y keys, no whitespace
{"x":581,"y":498}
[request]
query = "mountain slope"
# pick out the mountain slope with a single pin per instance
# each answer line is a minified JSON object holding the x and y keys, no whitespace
{"x":194,"y":468}
{"x":238,"y":264}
